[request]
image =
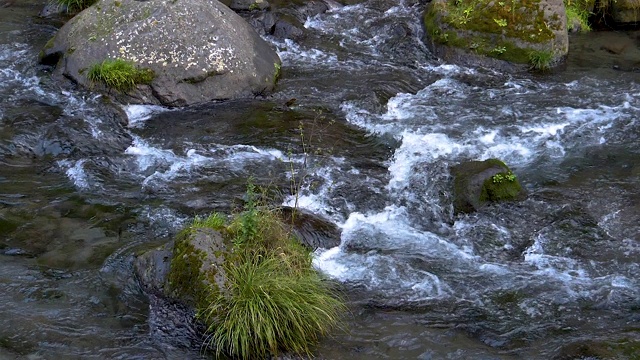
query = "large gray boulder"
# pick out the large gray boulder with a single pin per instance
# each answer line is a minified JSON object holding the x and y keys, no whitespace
{"x":199,"y":50}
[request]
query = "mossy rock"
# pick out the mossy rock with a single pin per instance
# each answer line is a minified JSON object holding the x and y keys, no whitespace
{"x":245,"y":287}
{"x":505,"y":32}
{"x":477,"y":183}
{"x":196,"y":272}
{"x":151,"y":268}
{"x":624,"y":12}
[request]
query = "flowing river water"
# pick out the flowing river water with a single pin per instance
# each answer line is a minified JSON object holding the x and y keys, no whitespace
{"x":81,"y":192}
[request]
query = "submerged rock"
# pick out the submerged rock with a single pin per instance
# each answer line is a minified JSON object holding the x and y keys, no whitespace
{"x":226,"y":60}
{"x":477,"y":183}
{"x":499,"y":34}
{"x":314,"y":231}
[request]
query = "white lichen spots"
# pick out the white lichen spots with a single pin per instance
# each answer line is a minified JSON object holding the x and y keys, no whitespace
{"x":161,"y":40}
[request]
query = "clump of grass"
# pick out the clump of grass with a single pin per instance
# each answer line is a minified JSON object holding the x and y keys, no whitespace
{"x":119,"y":74}
{"x":270,"y":308}
{"x":540,"y":60}
{"x":215,"y":221}
{"x":579,"y":16}
{"x":75,"y":5}
{"x":273,"y":300}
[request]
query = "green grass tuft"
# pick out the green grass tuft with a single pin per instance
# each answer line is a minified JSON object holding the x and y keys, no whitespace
{"x":75,"y":5}
{"x":119,"y":74}
{"x":215,"y":221}
{"x":270,"y":309}
{"x":540,"y":60}
{"x":578,"y":15}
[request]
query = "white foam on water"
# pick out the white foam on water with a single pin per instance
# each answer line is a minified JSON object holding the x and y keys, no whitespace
{"x":406,"y":112}
{"x":390,"y":232}
{"x":366,"y":120}
{"x":403,"y":106}
{"x":239,"y":156}
{"x":415,"y":148}
{"x":165,"y":220}
{"x":561,"y":268}
{"x":167,"y":165}
{"x":179,"y":166}
{"x":16,"y":72}
{"x":76,"y":173}
{"x":138,"y":114}
{"x":448,"y":69}
{"x":411,"y":119}
{"x":326,"y":22}
{"x":495,"y":269}
{"x":622,"y":282}
{"x":148,"y":156}
{"x":292,"y":53}
{"x":381,"y":273}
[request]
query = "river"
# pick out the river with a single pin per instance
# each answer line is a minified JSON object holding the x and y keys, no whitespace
{"x":81,"y":192}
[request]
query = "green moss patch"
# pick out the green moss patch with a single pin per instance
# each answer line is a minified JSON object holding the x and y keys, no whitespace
{"x":185,"y":279}
{"x":511,"y":18}
{"x":479,"y":182}
{"x":507,"y":30}
{"x":120,"y":75}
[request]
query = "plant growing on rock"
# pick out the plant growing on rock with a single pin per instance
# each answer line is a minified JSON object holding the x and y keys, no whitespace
{"x":540,"y":60}
{"x":271,"y":307}
{"x":120,"y":75}
{"x":75,"y":5}
{"x":501,"y":186}
{"x":502,"y":177}
{"x":271,"y":299}
{"x":578,"y":17}
{"x":507,"y":30}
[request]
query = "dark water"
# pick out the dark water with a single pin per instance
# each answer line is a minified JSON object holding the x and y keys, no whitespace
{"x":81,"y":192}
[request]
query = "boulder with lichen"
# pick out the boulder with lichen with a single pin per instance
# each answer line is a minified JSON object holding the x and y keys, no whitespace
{"x":198,"y":50}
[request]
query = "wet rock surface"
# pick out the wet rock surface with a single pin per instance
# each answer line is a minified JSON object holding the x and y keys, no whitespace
{"x":477,"y":183}
{"x":285,"y":20}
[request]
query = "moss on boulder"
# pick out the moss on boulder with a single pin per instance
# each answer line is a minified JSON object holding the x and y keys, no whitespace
{"x":250,"y":283}
{"x":477,"y":183}
{"x":504,"y":31}
{"x":196,"y":271}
